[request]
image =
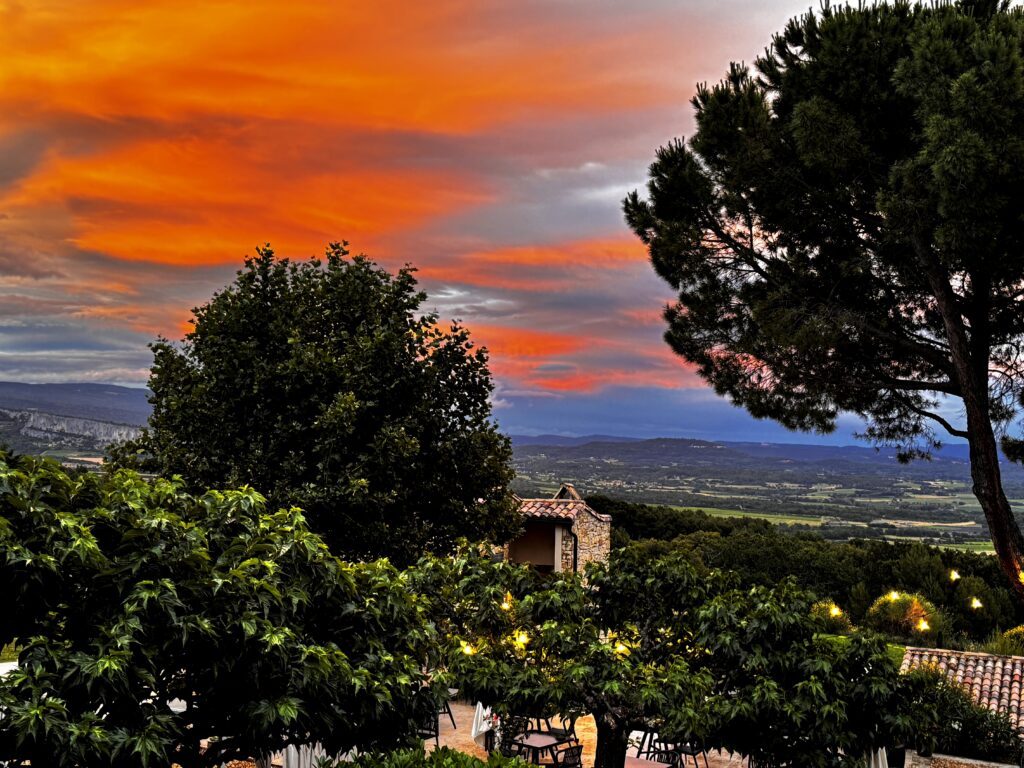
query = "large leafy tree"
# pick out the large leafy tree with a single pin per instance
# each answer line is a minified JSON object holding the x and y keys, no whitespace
{"x":652,"y":642}
{"x":845,"y":229}
{"x":151,"y":620}
{"x":324,"y":385}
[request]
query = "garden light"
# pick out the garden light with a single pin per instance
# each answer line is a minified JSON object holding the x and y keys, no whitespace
{"x":468,"y":649}
{"x":506,"y":604}
{"x":835,"y":611}
{"x":894,"y":595}
{"x":621,"y":648}
{"x":954,"y":575}
{"x":522,"y":638}
{"x":975,"y":603}
{"x":923,"y":626}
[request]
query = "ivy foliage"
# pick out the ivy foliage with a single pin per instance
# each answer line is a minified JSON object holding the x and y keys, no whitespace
{"x":150,"y":619}
{"x":325,"y":385}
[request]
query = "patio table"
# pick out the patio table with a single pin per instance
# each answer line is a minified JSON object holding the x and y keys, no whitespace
{"x":536,"y":743}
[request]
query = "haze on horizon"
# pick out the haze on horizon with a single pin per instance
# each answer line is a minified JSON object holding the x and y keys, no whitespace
{"x":145,"y":149}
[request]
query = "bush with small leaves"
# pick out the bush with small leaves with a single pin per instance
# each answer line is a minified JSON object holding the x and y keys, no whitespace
{"x":954,"y":724}
{"x":444,"y":757}
{"x":833,"y":618}
{"x":906,"y":615}
{"x":1009,"y":643}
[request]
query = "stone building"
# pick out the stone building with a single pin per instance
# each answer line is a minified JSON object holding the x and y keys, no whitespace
{"x":561,"y":533}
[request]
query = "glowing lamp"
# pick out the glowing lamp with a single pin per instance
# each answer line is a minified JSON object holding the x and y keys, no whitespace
{"x":975,"y":603}
{"x":522,"y":638}
{"x":953,"y":575}
{"x":506,"y":604}
{"x":468,"y":649}
{"x":620,"y":648}
{"x":835,"y":611}
{"x":923,"y":626}
{"x":894,"y":595}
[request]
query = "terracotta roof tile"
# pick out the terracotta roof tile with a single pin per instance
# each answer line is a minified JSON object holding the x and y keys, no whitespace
{"x":565,"y":505}
{"x":993,"y":681}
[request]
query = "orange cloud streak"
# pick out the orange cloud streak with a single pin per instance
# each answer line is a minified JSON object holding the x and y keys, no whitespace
{"x":508,"y":342}
{"x":174,"y":137}
{"x":559,"y":263}
{"x":200,"y":202}
{"x":383,"y":64}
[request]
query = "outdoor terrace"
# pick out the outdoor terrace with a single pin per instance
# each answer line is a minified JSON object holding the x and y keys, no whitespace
{"x":459,"y":738}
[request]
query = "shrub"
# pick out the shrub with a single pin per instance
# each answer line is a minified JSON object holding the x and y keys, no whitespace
{"x":125,"y":594}
{"x":439,"y":758}
{"x":907,"y":615}
{"x":833,"y":618}
{"x":960,"y":726}
{"x":1009,"y":643}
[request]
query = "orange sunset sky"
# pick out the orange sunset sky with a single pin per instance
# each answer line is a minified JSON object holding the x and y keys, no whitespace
{"x":146,"y":146}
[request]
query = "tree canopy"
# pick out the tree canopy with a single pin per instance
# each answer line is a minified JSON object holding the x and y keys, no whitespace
{"x":150,"y":619}
{"x":324,"y":385}
{"x":844,"y":232}
{"x":653,"y":642}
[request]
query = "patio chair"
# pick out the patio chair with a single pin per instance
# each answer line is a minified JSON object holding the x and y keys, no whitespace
{"x":446,"y":709}
{"x":512,"y":727}
{"x":565,"y":730}
{"x":646,"y":744}
{"x":753,"y":761}
{"x":429,"y":727}
{"x":570,"y":757}
{"x":539,"y":724}
{"x":666,"y":756}
{"x":690,"y":749}
{"x":683,"y":749}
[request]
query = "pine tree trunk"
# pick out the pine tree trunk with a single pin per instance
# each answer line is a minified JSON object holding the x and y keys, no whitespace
{"x":988,"y":489}
{"x":612,"y":742}
{"x":970,"y":354}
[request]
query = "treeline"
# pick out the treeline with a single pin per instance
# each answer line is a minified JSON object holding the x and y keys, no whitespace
{"x":852,"y":573}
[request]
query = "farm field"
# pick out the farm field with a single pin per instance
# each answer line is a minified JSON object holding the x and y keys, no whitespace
{"x":839,"y":492}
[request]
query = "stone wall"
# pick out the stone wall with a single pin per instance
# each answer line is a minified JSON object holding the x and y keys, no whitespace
{"x":915,"y":760}
{"x":595,"y":539}
{"x":567,"y":548}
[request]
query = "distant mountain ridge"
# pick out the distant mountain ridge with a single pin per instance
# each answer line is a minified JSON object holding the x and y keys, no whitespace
{"x":107,"y":412}
{"x":99,"y":402}
{"x":569,"y":440}
{"x":69,"y":418}
{"x":666,"y":446}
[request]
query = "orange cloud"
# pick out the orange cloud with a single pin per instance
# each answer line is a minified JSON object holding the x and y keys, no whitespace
{"x":145,"y":148}
{"x":385,"y":64}
{"x":538,"y":266}
{"x":519,"y":343}
{"x":201,"y":202}
{"x":680,"y":377}
{"x":646,"y":316}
